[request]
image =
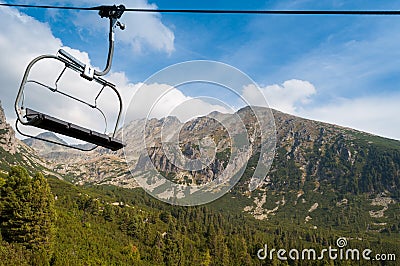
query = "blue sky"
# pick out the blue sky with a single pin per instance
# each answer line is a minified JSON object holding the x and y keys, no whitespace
{"x":339,"y":69}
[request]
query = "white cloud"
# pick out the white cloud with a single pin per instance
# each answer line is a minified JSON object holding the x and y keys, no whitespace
{"x":374,"y":114}
{"x":377,"y":114}
{"x":29,"y":38}
{"x":23,"y":38}
{"x":143,"y":30}
{"x":161,"y":100}
{"x":287,"y":97}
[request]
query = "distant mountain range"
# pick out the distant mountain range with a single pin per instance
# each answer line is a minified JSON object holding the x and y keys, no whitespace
{"x":321,"y":173}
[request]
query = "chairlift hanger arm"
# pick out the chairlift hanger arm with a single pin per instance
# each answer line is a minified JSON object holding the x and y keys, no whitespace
{"x":113,"y":13}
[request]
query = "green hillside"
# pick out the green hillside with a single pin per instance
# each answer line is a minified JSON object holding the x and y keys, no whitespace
{"x":105,"y":225}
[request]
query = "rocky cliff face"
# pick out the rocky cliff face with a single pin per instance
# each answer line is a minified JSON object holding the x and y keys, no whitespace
{"x":15,"y":152}
{"x":307,"y":153}
{"x":190,"y":147}
{"x":7,"y":139}
{"x":320,"y":171}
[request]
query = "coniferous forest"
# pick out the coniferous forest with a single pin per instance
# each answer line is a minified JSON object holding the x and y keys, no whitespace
{"x":51,"y":222}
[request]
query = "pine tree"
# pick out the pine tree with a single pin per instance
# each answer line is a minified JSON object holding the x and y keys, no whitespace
{"x":2,"y":182}
{"x":42,"y":204}
{"x":27,"y":211}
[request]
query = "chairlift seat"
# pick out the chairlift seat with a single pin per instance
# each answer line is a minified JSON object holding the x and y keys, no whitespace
{"x":46,"y":122}
{"x":34,"y":118}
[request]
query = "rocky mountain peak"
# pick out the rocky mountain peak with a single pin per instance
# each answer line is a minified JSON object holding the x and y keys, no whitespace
{"x":308,"y":154}
{"x":3,"y":119}
{"x":7,"y":135}
{"x":43,"y":147}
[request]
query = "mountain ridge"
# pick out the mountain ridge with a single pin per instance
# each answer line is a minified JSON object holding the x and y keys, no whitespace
{"x":324,"y":179}
{"x":297,"y":139}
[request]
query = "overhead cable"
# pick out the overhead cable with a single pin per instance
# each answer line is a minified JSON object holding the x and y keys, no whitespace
{"x":222,"y":11}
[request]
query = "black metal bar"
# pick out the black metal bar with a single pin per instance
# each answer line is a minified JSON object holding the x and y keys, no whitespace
{"x":113,"y":13}
{"x":56,"y":125}
{"x":270,"y":12}
{"x":77,"y":147}
{"x":220,"y":11}
{"x":110,"y":54}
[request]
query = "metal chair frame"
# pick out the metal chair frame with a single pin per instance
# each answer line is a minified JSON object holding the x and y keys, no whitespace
{"x":29,"y":117}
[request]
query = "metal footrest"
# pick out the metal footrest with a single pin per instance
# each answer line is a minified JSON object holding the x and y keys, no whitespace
{"x":52,"y":124}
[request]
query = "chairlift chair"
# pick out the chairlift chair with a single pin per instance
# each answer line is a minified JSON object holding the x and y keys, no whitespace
{"x":29,"y":117}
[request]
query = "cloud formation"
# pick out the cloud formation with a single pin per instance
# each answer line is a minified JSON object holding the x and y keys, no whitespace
{"x":375,"y":114}
{"x":143,"y":30}
{"x":287,"y":97}
{"x":19,"y":45}
{"x":163,"y":100}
